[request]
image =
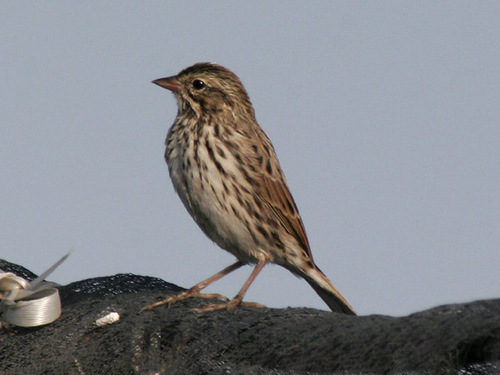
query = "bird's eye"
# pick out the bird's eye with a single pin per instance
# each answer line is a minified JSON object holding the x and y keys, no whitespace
{"x":198,"y":84}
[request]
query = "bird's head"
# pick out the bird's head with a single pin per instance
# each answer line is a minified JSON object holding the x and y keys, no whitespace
{"x":208,"y":88}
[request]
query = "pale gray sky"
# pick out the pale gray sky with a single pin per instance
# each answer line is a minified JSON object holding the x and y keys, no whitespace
{"x":385,"y":117}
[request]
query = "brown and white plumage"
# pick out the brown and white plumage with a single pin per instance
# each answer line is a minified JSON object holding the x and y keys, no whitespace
{"x":226,"y":172}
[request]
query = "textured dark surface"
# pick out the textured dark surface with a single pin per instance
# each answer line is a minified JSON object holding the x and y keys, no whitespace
{"x":451,"y":339}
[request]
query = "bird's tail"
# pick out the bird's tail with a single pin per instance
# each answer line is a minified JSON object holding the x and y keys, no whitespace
{"x":328,"y":293}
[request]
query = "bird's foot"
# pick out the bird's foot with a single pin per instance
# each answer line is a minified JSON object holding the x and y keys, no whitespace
{"x":190,"y":293}
{"x":231,"y":305}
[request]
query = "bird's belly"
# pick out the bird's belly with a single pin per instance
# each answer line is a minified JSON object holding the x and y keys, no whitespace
{"x":202,"y":192}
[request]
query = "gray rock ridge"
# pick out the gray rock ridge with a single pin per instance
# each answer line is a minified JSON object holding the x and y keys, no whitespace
{"x":450,"y":339}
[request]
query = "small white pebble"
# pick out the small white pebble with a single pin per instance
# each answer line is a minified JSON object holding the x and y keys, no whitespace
{"x":111,"y":318}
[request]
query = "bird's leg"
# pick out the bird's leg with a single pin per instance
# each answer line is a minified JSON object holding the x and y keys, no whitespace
{"x":238,"y":299}
{"x":194,"y":292}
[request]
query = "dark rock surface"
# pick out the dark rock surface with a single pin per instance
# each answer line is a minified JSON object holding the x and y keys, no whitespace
{"x":451,"y":339}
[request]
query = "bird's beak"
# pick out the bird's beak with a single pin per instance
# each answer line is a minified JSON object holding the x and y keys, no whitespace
{"x":170,"y":83}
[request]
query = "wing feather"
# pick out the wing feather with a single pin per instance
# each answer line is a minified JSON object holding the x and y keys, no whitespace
{"x":275,"y":194}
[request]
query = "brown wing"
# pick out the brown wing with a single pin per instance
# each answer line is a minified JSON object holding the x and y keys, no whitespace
{"x":275,"y":194}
